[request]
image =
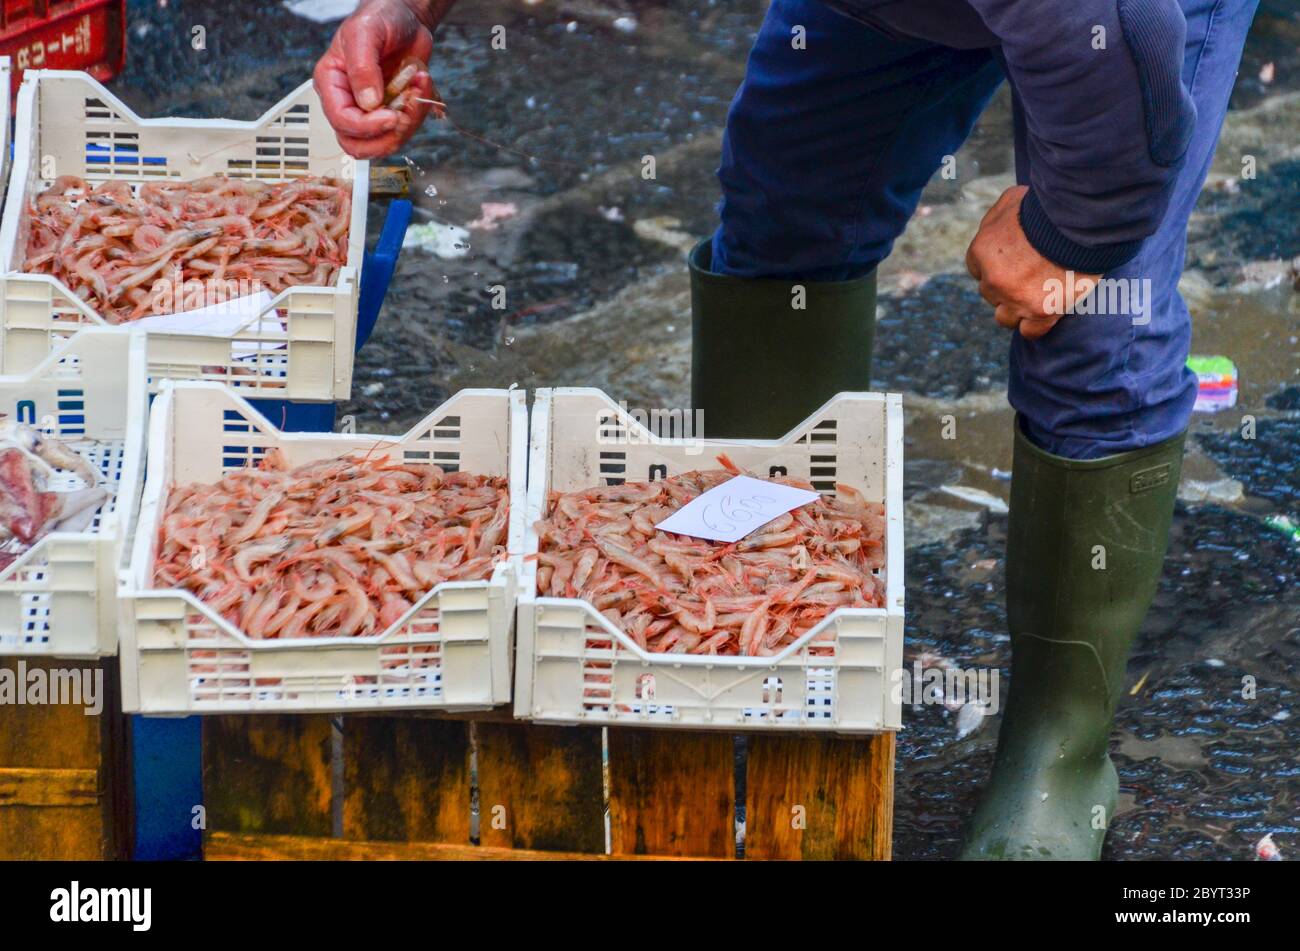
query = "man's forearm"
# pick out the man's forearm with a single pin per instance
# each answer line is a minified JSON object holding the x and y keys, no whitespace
{"x":1108,"y":121}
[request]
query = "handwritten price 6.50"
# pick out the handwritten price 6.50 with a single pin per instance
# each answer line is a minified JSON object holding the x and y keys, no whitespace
{"x":723,"y":516}
{"x":729,"y":512}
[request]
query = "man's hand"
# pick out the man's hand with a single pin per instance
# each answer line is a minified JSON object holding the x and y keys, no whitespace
{"x":1026,"y":290}
{"x":350,"y":77}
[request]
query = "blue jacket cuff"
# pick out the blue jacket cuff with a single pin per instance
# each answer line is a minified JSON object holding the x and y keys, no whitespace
{"x":1057,"y":248}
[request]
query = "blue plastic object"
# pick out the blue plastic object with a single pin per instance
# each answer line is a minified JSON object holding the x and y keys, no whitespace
{"x":377,"y":268}
{"x":167,"y":772}
{"x":166,"y":752}
{"x":294,"y":417}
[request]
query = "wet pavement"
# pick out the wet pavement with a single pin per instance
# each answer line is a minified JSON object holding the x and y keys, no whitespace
{"x":1204,"y":773}
{"x":596,"y":295}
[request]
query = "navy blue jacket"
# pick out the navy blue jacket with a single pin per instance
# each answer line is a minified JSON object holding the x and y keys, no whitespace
{"x":1107,"y":118}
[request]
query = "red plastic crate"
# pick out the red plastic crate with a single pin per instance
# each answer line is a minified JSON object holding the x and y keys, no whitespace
{"x":63,"y":34}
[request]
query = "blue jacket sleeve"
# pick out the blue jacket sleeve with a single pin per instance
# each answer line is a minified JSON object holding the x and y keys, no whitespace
{"x":1107,"y":116}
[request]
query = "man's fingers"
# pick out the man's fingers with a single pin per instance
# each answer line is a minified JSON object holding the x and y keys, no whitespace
{"x":972,"y":263}
{"x":422,"y":45}
{"x":362,"y":43}
{"x":404,"y":123}
{"x":421,"y":88}
{"x":1005,"y":316}
{"x":350,"y":121}
{"x":989,"y":294}
{"x":335,"y":91}
{"x":370,"y":148}
{"x":1032,"y":329}
{"x":407,"y":119}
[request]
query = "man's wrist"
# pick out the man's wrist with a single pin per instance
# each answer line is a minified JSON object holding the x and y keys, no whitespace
{"x":1052,"y":244}
{"x":430,"y":12}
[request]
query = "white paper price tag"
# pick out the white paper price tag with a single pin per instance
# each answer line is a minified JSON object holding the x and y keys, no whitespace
{"x":729,"y":512}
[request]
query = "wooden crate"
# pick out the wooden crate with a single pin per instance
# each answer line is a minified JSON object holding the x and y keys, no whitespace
{"x":63,"y":784}
{"x":403,"y":787}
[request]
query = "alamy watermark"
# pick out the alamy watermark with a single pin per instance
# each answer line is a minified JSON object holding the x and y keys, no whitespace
{"x":684,"y":426}
{"x":177,"y":296}
{"x":1110,"y":297}
{"x":948,"y":686}
{"x":84,"y":904}
{"x":39,"y":686}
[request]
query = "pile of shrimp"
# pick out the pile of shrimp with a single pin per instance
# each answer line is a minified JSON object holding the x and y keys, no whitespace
{"x":339,"y":547}
{"x":121,"y":251}
{"x":677,"y":594}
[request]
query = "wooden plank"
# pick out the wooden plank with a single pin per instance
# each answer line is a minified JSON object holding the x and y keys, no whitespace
{"x":501,"y":714}
{"x":672,"y":793}
{"x":48,"y":787}
{"x":51,"y":735}
{"x":268,"y":773}
{"x":540,"y":787}
{"x":61,"y":770}
{"x":231,"y":846}
{"x":407,"y":779}
{"x":819,"y":797}
{"x":53,"y":833}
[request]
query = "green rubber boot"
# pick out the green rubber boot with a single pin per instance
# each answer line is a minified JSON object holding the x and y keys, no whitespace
{"x":1085,"y":545}
{"x":766,"y":353}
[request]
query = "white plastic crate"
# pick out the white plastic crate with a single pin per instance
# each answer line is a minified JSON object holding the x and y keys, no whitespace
{"x":58,"y":598}
{"x":574,"y":666}
{"x":452,"y":650}
{"x":68,"y":124}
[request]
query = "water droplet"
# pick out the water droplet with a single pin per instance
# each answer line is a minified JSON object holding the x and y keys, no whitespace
{"x":431,"y":191}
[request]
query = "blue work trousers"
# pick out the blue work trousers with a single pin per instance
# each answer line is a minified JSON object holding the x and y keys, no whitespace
{"x":836,"y":130}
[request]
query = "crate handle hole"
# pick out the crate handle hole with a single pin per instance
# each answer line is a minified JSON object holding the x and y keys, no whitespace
{"x":772,"y":689}
{"x":645,"y":687}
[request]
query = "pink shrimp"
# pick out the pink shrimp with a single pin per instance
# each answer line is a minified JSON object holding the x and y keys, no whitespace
{"x":753,"y":597}
{"x":294,"y":552}
{"x":211,"y":229}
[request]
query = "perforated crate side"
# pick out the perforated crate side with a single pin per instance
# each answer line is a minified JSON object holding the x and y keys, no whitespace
{"x":453,"y":649}
{"x":58,"y":598}
{"x":575,"y":667}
